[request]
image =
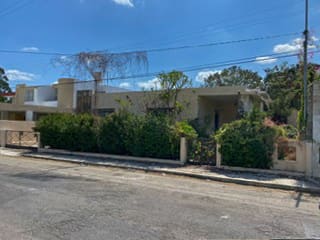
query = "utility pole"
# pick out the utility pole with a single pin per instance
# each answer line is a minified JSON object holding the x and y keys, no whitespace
{"x":305,"y":68}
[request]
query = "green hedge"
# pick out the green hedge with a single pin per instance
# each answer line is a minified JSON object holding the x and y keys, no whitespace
{"x":247,"y":142}
{"x":71,"y":132}
{"x":119,"y":133}
{"x":113,"y":132}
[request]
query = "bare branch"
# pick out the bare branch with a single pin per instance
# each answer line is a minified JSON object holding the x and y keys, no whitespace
{"x":86,"y":64}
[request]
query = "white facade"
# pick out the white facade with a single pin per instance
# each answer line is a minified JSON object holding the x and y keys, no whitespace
{"x":41,"y":96}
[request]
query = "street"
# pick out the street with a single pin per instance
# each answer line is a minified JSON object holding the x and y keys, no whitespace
{"x":42,"y":199}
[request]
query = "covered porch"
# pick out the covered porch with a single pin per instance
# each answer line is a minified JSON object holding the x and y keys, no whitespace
{"x":216,"y":110}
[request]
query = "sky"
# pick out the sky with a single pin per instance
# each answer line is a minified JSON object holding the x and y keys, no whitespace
{"x":73,"y":26}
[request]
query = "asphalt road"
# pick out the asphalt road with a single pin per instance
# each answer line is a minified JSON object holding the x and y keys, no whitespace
{"x":42,"y":199}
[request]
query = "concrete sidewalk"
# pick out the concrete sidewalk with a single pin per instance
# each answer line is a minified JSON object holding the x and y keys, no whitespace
{"x":202,"y":172}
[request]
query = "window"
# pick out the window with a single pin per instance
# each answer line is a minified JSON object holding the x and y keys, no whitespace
{"x":105,"y":111}
{"x":161,"y":110}
{"x":53,"y":96}
{"x":84,"y":101}
{"x":29,"y":95}
{"x":216,"y":120}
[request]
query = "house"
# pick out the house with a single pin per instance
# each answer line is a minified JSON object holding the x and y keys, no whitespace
{"x":8,"y":97}
{"x":210,"y":106}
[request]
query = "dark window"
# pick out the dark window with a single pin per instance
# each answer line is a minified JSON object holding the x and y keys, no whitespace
{"x":105,"y":111}
{"x":84,"y":101}
{"x":164,"y":110}
{"x":29,"y":95}
{"x":37,"y":116}
{"x":54,"y":96}
{"x":216,"y":121}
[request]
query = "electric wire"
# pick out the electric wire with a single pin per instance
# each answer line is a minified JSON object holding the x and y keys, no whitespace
{"x":226,"y":63}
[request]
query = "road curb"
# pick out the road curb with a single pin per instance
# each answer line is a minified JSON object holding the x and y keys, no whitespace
{"x":184,"y":174}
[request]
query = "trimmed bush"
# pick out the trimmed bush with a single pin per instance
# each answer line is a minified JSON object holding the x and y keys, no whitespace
{"x":247,"y":142}
{"x":67,"y":131}
{"x":113,"y":132}
{"x":118,"y":133}
{"x":158,"y":138}
{"x":184,"y":129}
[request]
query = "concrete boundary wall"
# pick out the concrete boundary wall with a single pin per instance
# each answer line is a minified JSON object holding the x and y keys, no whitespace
{"x":301,"y":166}
{"x":111,"y":156}
{"x":17,"y":125}
{"x":315,"y":165}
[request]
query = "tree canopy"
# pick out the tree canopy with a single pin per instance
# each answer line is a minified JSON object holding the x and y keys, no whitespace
{"x":4,"y":84}
{"x":235,"y":76}
{"x":171,"y":83}
{"x":284,"y":84}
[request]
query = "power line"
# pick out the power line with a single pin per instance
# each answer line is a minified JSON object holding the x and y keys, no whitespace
{"x":152,"y":50}
{"x":214,"y":27}
{"x":219,"y":43}
{"x":35,"y":53}
{"x":14,"y":7}
{"x":10,"y":7}
{"x":198,"y":67}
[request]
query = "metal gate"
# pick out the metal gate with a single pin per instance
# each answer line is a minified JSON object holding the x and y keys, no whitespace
{"x":22,"y":139}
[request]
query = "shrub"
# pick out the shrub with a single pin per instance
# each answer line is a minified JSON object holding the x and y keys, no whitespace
{"x":184,"y":129}
{"x":202,"y":151}
{"x":247,"y":142}
{"x":67,"y":131}
{"x":156,"y":138}
{"x":118,"y":133}
{"x":291,"y":131}
{"x":201,"y":128}
{"x":113,"y":131}
{"x":144,"y":136}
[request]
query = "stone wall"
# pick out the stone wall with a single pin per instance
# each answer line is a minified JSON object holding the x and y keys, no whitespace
{"x":315,"y":115}
{"x":17,"y":125}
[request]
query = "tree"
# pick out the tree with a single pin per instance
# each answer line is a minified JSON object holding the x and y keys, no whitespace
{"x":4,"y":84}
{"x":87,"y":64}
{"x":96,"y":65}
{"x":234,"y":76}
{"x":284,"y":84}
{"x":170,"y":86}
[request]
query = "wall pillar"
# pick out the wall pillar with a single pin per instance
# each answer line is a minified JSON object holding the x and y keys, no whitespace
{"x":218,"y":156}
{"x":307,"y":146}
{"x":315,"y":158}
{"x":29,"y":115}
{"x":315,"y":126}
{"x":3,"y":139}
{"x":183,"y":150}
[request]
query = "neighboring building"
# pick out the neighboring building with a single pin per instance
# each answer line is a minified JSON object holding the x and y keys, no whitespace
{"x":211,"y":106}
{"x":8,"y":96}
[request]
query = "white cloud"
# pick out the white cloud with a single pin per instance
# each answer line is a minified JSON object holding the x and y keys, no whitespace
{"x":30,"y":49}
{"x":127,"y":3}
{"x":201,"y":76}
{"x":265,"y":60}
{"x":150,"y":84}
{"x":294,"y":46}
{"x":125,"y":85}
{"x":64,"y":59}
{"x":17,"y":75}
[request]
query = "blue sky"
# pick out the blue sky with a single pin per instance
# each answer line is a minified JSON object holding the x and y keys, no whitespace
{"x":71,"y":26}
